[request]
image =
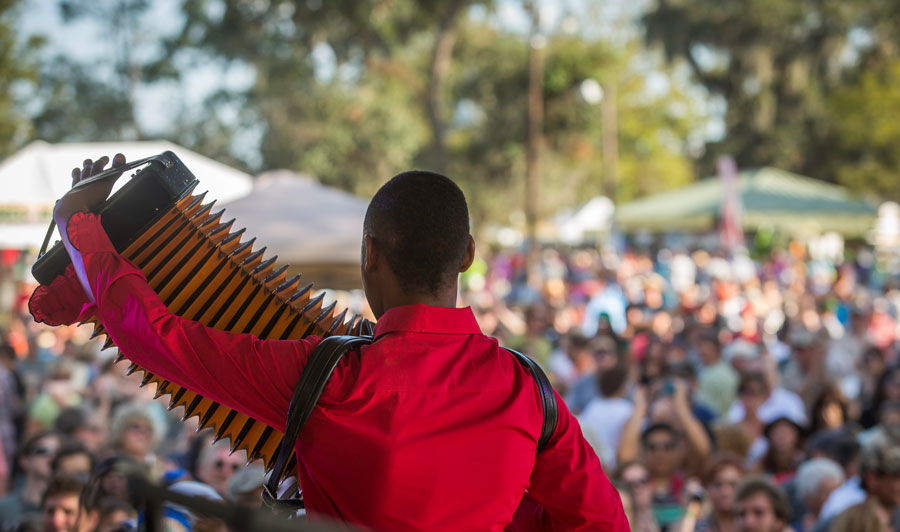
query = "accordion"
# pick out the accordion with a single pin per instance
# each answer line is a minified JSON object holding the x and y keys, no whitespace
{"x":206,"y":271}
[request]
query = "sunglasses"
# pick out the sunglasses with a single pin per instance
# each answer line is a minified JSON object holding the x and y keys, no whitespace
{"x":42,"y":451}
{"x":634,"y":483}
{"x":662,"y":446}
{"x":220,"y":464}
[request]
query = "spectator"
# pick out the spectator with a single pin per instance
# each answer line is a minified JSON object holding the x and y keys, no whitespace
{"x":534,"y":341}
{"x":766,"y":398}
{"x":627,"y":497}
{"x":843,"y":449}
{"x":671,"y":408}
{"x":717,"y":381}
{"x":73,"y":459}
{"x":872,"y":368}
{"x":880,"y":473}
{"x":11,"y":397}
{"x":830,"y":410}
{"x":761,"y":506}
{"x":805,"y":370}
{"x":684,"y":372}
{"x":114,"y":515}
{"x":784,"y":439}
{"x":245,"y":487}
{"x":177,"y":517}
{"x":57,"y":393}
{"x":135,"y":433}
{"x":720,"y":480}
{"x":815,"y":480}
{"x":76,"y":423}
{"x":887,"y":389}
{"x":662,"y":449}
{"x":604,"y":417}
{"x":59,"y":504}
{"x":635,"y":477}
{"x":217,"y":465}
{"x":887,"y":431}
{"x":35,"y":459}
{"x":604,"y":355}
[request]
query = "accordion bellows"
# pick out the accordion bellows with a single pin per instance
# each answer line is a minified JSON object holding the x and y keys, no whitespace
{"x":204,"y":271}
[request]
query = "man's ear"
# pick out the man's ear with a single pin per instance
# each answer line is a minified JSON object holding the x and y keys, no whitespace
{"x":370,"y":257}
{"x":470,"y":255}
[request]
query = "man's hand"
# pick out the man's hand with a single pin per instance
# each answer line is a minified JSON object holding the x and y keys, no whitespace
{"x":87,"y":197}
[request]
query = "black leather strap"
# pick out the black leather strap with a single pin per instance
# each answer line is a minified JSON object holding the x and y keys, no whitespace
{"x":322,"y":361}
{"x":548,"y":398}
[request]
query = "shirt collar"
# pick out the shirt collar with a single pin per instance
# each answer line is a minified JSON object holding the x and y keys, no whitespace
{"x":427,"y":319}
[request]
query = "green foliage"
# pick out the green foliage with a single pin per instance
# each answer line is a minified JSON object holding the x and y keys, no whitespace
{"x":782,"y":67}
{"x":76,"y":106}
{"x":353,"y":92}
{"x":16,"y":72}
{"x":866,"y":149}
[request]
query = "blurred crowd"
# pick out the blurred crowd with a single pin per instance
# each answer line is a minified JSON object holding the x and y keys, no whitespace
{"x":721,"y":394}
{"x":76,"y":432}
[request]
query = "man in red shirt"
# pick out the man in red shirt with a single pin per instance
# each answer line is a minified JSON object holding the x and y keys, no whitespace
{"x":431,"y":427}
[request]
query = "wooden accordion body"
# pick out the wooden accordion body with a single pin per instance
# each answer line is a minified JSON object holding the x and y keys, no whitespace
{"x":206,"y":272}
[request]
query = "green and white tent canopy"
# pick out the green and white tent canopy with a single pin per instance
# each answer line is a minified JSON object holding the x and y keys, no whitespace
{"x":770,"y":198}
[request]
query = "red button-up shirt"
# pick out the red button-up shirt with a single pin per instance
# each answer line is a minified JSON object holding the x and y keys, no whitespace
{"x":431,"y":427}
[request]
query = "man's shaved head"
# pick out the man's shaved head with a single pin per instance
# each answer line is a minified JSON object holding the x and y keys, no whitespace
{"x":420,"y":221}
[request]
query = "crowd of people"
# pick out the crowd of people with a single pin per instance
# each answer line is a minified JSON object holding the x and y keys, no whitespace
{"x":76,"y":432}
{"x":720,"y":395}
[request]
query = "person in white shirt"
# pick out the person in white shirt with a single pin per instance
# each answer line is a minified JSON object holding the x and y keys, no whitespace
{"x":603,"y":418}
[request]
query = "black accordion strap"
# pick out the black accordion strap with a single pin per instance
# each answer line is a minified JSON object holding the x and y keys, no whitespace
{"x":322,"y":361}
{"x":548,"y":398}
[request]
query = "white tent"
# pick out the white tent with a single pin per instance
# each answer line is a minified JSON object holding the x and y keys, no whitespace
{"x":594,"y":216}
{"x":33,"y":179}
{"x":314,"y":228}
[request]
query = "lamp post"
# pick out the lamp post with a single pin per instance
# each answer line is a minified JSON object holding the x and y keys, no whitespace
{"x":593,"y":93}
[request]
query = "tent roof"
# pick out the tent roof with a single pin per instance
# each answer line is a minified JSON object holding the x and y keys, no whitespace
{"x":36,"y":176}
{"x":301,"y":220}
{"x":769,"y":197}
{"x":40,"y":173}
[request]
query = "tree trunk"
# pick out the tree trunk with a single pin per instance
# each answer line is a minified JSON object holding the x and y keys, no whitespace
{"x":533,"y":147}
{"x":440,"y":65}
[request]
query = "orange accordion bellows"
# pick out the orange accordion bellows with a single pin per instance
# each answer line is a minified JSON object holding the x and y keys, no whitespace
{"x":205,"y":271}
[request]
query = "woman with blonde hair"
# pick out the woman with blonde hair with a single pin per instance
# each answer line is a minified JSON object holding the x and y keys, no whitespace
{"x":136,"y":433}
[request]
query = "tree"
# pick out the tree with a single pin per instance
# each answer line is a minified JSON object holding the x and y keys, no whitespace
{"x":486,"y":141}
{"x":776,"y":64}
{"x":17,"y":71}
{"x":378,"y":104}
{"x":865,"y":150}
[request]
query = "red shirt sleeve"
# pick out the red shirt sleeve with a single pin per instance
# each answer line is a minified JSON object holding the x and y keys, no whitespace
{"x":569,"y":485}
{"x":255,"y":377}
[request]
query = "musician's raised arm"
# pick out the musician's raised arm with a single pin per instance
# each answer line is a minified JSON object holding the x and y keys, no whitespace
{"x":240,"y":371}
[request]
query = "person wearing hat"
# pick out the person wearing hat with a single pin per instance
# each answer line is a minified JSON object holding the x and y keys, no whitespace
{"x":246,"y":486}
{"x":879,"y":472}
{"x":177,"y":518}
{"x":784,"y":432}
